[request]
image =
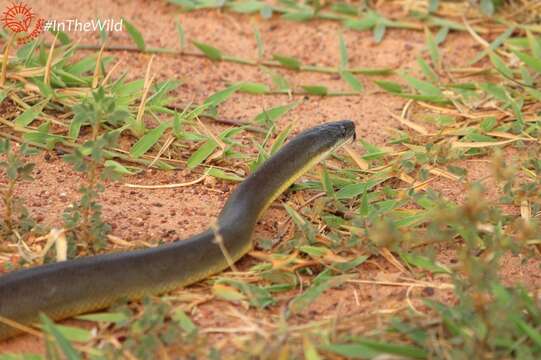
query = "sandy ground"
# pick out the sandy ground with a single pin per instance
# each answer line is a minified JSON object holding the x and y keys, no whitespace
{"x":150,"y":215}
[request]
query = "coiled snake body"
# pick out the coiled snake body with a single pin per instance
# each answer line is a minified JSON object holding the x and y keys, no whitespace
{"x":64,"y":289}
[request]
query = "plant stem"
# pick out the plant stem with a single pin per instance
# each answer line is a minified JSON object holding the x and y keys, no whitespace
{"x":86,"y":225}
{"x":234,"y":59}
{"x":5,"y":59}
{"x":7,"y":198}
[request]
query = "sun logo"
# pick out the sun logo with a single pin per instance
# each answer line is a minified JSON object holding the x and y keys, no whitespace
{"x":18,"y":17}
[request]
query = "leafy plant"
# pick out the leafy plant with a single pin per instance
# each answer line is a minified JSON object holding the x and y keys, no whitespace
{"x":83,"y":219}
{"x":16,"y":220}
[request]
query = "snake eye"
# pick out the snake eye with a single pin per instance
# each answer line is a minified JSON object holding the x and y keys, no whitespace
{"x":344,"y":129}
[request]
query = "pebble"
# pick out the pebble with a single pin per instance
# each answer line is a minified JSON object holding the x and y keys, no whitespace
{"x":428,"y":291}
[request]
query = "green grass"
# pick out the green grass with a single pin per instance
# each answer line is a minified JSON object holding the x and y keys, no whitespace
{"x":369,"y":204}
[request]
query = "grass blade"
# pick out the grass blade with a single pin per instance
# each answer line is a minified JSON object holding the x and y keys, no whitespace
{"x":68,"y":349}
{"x":202,"y":154}
{"x":288,"y":62}
{"x":210,"y":51}
{"x":532,"y":62}
{"x":135,"y":35}
{"x":30,"y":114}
{"x":351,"y":80}
{"x":148,"y":141}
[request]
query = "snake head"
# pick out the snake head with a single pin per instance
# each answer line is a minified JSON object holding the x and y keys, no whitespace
{"x":347,"y":128}
{"x":335,"y":134}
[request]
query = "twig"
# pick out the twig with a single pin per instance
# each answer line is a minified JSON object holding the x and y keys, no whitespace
{"x":168,"y":186}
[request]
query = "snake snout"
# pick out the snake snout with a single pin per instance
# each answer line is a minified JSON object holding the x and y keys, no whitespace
{"x":347,"y":128}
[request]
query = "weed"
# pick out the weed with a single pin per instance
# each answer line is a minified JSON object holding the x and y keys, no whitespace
{"x":16,"y":221}
{"x":83,"y":219}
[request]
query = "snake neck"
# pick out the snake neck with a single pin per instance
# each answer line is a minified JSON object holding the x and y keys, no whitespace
{"x":255,"y":194}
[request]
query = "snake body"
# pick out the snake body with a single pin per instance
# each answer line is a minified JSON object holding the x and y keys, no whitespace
{"x":65,"y":289}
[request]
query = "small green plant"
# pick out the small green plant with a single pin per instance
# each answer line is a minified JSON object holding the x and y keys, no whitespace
{"x":146,"y":334}
{"x":83,"y":219}
{"x":16,"y":218}
{"x":488,"y":318}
